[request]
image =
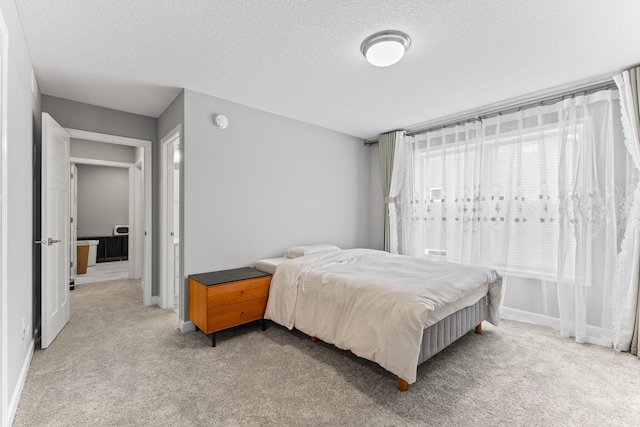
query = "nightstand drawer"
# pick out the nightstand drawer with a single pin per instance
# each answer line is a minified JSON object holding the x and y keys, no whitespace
{"x":236,"y":292}
{"x":236,"y":314}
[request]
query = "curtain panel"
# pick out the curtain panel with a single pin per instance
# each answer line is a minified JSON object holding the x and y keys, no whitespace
{"x":386,"y":149}
{"x":626,"y":321}
{"x":543,"y":195}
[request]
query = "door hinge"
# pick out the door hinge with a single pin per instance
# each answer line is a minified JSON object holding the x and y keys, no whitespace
{"x":71,"y":174}
{"x":71,"y":264}
{"x":71,"y":220}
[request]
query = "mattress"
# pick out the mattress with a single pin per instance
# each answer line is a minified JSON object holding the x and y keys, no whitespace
{"x":447,"y":310}
{"x":269,"y":265}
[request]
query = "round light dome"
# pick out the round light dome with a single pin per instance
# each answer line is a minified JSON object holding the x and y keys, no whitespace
{"x":385,"y":48}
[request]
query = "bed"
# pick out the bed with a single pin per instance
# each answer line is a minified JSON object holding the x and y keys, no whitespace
{"x":394,"y":310}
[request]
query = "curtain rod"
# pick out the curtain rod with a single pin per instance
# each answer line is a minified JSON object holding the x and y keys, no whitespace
{"x":608,"y":84}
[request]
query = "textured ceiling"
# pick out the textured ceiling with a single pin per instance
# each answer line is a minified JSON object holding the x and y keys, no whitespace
{"x":301,"y":59}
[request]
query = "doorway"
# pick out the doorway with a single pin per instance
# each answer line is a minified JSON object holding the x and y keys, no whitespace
{"x":170,"y":265}
{"x":140,"y":196}
{"x":102,"y":194}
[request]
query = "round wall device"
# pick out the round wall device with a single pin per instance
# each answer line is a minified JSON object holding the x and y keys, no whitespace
{"x":221,"y":121}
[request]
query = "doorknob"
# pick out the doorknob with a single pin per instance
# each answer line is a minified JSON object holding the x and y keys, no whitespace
{"x":41,"y":242}
{"x":52,"y":241}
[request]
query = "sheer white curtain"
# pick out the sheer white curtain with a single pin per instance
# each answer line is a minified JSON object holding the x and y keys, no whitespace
{"x":625,"y":292}
{"x":596,"y":188}
{"x":540,"y":194}
{"x":440,"y":203}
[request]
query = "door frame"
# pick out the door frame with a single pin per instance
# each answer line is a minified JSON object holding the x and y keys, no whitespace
{"x":167,"y":283}
{"x":136,"y":220}
{"x":135,"y":237}
{"x":73,"y":226}
{"x":147,"y":298}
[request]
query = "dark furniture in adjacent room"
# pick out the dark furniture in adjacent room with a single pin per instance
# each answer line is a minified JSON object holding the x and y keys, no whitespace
{"x":111,"y":248}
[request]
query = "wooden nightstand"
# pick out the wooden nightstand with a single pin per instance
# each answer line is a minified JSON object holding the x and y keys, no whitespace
{"x":223,"y":299}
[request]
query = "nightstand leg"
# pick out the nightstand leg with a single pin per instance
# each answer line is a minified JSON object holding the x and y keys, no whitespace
{"x":213,"y":339}
{"x":264,"y":325}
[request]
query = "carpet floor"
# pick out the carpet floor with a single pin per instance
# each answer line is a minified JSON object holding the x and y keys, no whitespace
{"x":118,"y":363}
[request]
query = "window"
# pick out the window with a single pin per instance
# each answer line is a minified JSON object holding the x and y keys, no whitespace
{"x":508,"y":192}
{"x":526,"y":206}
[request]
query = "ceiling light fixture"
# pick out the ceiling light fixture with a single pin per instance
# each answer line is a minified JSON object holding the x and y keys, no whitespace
{"x":385,"y":48}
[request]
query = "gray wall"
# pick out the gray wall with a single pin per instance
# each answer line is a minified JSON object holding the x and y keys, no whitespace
{"x":172,"y":116}
{"x":77,"y":115}
{"x":264,"y":184}
{"x":103,"y":199}
{"x":102,"y":151}
{"x":21,"y":134}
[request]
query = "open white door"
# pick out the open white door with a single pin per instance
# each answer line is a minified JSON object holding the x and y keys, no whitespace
{"x":55,"y":229}
{"x":170,"y":277}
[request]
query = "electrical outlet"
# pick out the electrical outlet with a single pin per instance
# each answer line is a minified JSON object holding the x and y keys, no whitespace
{"x":24,"y":327}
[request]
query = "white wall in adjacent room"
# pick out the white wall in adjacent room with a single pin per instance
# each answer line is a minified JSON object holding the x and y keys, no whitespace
{"x":103,"y":199}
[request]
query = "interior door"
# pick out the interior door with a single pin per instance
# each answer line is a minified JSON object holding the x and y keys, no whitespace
{"x":170,"y":212}
{"x":55,"y":229}
{"x":176,"y":225}
{"x":170,"y":239}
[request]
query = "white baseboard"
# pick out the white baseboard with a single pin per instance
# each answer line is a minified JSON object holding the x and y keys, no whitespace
{"x":595,"y":335}
{"x":187,"y":326}
{"x":528,"y":317}
{"x":15,"y":398}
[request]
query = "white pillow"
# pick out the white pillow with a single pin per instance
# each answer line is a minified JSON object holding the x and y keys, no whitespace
{"x":297,"y":251}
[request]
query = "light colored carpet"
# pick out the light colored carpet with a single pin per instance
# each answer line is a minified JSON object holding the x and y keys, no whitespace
{"x":119,"y":363}
{"x":104,"y":272}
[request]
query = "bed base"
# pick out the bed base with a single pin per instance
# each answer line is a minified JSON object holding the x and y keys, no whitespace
{"x":403,"y":385}
{"x":438,"y":336}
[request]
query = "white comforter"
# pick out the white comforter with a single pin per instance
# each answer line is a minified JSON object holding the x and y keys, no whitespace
{"x":373,"y":303}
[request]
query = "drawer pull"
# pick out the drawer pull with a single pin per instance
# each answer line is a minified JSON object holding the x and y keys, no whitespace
{"x":241,"y":292}
{"x":242,"y":313}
